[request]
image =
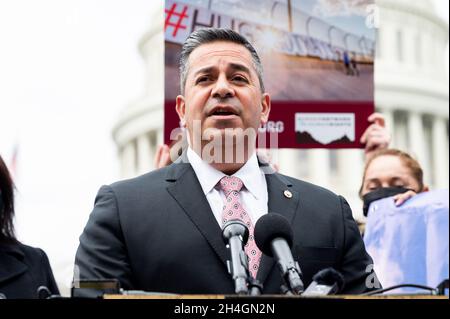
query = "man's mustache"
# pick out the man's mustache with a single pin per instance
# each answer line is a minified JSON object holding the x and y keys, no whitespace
{"x":229,"y":105}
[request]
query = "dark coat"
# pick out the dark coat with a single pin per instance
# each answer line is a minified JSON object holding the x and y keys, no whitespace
{"x":157,"y":233}
{"x":23,"y":269}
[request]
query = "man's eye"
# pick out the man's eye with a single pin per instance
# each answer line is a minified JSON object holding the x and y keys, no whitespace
{"x":202,"y":79}
{"x":240,"y":78}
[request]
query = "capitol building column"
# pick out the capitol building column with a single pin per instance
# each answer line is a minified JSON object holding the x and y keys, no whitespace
{"x":319,"y":167}
{"x":417,"y":144}
{"x":350,"y":168}
{"x":388,"y":114}
{"x":289,"y":162}
{"x":128,"y":160}
{"x":144,"y":152}
{"x":440,"y":152}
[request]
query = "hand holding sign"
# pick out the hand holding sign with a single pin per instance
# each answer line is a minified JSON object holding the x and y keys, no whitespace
{"x":376,"y":136}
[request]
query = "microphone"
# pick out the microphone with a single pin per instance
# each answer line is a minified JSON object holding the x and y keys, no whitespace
{"x":235,"y":236}
{"x":326,"y":282}
{"x":43,"y":292}
{"x":274,"y":237}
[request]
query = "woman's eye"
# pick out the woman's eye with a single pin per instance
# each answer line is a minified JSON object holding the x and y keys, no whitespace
{"x":372,"y":187}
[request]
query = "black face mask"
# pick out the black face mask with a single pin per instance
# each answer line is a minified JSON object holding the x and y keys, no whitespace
{"x":380,"y":193}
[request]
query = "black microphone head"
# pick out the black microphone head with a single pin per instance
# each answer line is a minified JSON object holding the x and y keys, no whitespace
{"x":235,"y":227}
{"x":269,"y":227}
{"x":329,"y":277}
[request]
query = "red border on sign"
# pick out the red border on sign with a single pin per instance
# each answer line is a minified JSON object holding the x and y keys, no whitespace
{"x":284,"y":111}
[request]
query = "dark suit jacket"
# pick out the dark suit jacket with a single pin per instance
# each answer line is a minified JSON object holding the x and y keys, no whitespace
{"x":23,"y":269}
{"x":157,"y":233}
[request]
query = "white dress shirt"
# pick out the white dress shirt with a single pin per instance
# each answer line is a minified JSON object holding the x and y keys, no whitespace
{"x":253,"y":195}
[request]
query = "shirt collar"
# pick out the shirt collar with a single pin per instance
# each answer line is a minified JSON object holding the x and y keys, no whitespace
{"x":250,"y":175}
{"x":208,"y":176}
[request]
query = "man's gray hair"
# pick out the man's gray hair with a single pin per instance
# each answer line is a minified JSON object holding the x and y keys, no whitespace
{"x":209,"y":35}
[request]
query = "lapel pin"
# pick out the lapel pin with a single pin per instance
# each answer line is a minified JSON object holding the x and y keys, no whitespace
{"x":287,"y":194}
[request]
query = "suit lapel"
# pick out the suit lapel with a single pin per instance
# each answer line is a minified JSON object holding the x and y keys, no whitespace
{"x":279,"y":190}
{"x":186,"y":190}
{"x":185,"y":184}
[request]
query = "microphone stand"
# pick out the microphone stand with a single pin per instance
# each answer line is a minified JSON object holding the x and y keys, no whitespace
{"x":235,"y":235}
{"x":285,"y":290}
{"x":255,"y":287}
{"x":238,"y":266}
{"x":247,"y":285}
{"x":292,"y":274}
{"x":294,"y":279}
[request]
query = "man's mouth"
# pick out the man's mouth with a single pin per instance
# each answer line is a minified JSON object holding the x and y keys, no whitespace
{"x":225,"y":111}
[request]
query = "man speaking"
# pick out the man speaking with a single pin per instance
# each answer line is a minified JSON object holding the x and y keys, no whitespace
{"x":162,"y":232}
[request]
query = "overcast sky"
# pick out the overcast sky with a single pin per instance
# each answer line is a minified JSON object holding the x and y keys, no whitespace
{"x":67,"y":68}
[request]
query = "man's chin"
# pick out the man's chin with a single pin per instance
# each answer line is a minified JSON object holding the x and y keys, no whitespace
{"x":215,"y":134}
{"x":223,"y":122}
{"x":236,"y":135}
{"x":223,"y":128}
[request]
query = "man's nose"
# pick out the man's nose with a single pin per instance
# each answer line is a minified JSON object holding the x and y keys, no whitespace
{"x":222,"y":89}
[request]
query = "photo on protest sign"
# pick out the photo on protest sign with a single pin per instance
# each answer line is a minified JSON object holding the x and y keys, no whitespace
{"x":318,"y":59}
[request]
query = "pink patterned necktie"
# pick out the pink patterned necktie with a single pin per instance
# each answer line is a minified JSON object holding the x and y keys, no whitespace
{"x":233,"y":209}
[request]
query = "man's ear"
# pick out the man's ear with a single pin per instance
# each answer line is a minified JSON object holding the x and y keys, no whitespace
{"x":265,"y":105}
{"x":181,"y":109}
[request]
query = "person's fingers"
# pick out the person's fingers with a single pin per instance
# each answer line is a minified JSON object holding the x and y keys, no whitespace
{"x":162,"y":157}
{"x":376,"y":136}
{"x":383,"y":135}
{"x":374,"y":144}
{"x":366,"y":133}
{"x":378,"y":122}
{"x":401,"y":198}
{"x":372,"y":128}
{"x":363,"y":138}
{"x":379,"y":135}
{"x":376,"y":141}
{"x":378,"y":119}
{"x":276,"y":167}
{"x":158,"y":154}
{"x":165,"y":157}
